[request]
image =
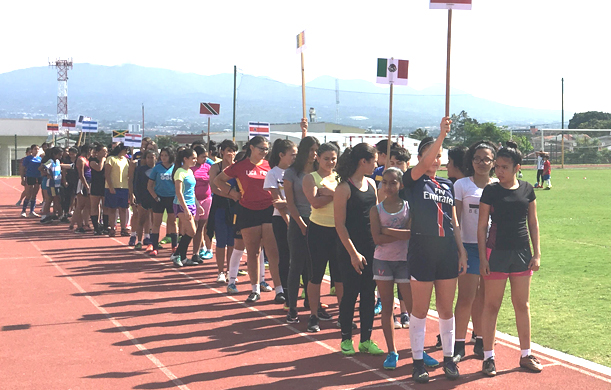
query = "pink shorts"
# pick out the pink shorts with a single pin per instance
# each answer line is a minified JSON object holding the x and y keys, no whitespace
{"x":206,"y":203}
{"x":504,"y":275}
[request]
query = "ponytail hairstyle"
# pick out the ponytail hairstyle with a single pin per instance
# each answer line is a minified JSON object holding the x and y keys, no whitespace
{"x":511,"y":151}
{"x":468,"y":167}
{"x":280,"y":146}
{"x":254,"y":141}
{"x":348,"y":163}
{"x":180,"y":159}
{"x":303,"y":153}
{"x":199,"y":149}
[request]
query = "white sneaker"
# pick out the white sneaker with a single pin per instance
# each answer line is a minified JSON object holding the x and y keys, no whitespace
{"x":221,"y":278}
{"x":266,"y":287}
{"x":34,"y":214}
{"x":24,"y":215}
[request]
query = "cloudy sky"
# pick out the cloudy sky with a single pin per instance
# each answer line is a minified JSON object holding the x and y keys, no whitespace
{"x":514,"y":52}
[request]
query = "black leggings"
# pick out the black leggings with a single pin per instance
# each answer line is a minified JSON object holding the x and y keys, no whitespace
{"x":322,"y":245}
{"x":66,"y":199}
{"x":355,"y":284}
{"x":281,"y":235}
{"x":300,"y":260}
{"x":539,"y":175}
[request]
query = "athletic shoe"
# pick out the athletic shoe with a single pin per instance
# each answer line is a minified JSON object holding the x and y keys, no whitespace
{"x":397,"y":322}
{"x":54,"y":217}
{"x":138,"y":246}
{"x":280,"y":298}
{"x":531,"y":363}
{"x":149,"y":248}
{"x":429,"y":361}
{"x":478,"y":348}
{"x":207,"y":255}
{"x":34,"y":214}
{"x":313,"y":324}
{"x":459,"y":351}
{"x":536,"y":185}
{"x":405,"y":320}
{"x":221,"y":278}
{"x":323,"y":315}
{"x":378,"y":307}
{"x":197,"y":260}
{"x":438,"y":344}
{"x":176,"y":260}
{"x":105,"y":231}
{"x":24,"y":215}
{"x":253,"y":297}
{"x":147,"y":241}
{"x":153,"y":253}
{"x":46,"y":220}
{"x":489,"y":367}
{"x":189,"y":262}
{"x":159,"y":246}
{"x":65,"y":219}
{"x":79,"y":230}
{"x":242,"y":272}
{"x":232,"y":289}
{"x":339,"y":324}
{"x":98,"y":232}
{"x":291,"y":317}
{"x":166,"y":240}
{"x":112,"y":232}
{"x":266,"y":287}
{"x":391,"y":361}
{"x":450,"y":369}
{"x":347,"y":348}
{"x":332,"y":291}
{"x":370,"y":347}
{"x":125,"y":233}
{"x":420,"y":374}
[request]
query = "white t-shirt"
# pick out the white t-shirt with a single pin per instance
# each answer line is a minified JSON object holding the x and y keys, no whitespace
{"x":540,"y":162}
{"x":275,"y":179}
{"x":469,"y":194}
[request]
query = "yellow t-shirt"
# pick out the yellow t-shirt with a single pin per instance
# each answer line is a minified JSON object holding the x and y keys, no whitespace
{"x":324,"y":215}
{"x":119,"y":168}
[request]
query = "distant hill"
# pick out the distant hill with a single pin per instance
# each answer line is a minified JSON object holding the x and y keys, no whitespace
{"x":115,"y":93}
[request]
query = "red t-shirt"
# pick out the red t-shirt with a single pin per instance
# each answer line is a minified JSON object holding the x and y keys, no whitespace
{"x":250,"y":178}
{"x":547,"y":167}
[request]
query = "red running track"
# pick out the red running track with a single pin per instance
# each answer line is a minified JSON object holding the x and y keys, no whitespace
{"x":84,"y":312}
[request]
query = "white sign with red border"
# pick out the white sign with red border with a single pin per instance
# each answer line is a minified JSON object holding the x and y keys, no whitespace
{"x":455,"y":4}
{"x":258,"y":128}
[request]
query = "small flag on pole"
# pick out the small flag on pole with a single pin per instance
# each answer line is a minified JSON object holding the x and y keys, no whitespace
{"x":454,"y":4}
{"x":209,"y":108}
{"x":52,"y":127}
{"x":90,"y":126}
{"x":533,"y":129}
{"x":300,"y":41}
{"x":68,"y":123}
{"x":392,"y":71}
{"x":118,"y":135}
{"x":258,"y":128}
{"x":133,"y":140}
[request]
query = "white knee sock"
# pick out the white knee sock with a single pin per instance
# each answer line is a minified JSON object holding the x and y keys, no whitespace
{"x":417,"y":330}
{"x":234,"y":264}
{"x":262,"y":266}
{"x":446,"y":330}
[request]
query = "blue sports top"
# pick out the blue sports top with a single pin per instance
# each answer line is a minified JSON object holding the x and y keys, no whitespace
{"x":430,"y":202}
{"x":377,"y":174}
{"x":162,"y":176}
{"x":31,"y":164}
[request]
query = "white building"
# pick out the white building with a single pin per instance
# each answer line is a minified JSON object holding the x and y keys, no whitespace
{"x":19,"y":133}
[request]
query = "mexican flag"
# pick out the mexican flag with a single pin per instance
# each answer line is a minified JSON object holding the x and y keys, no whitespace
{"x":392,"y":71}
{"x":452,"y":4}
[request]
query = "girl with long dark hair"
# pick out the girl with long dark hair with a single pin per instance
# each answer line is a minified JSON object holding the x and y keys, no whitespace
{"x":162,"y":189}
{"x":83,"y":189}
{"x":98,"y":181}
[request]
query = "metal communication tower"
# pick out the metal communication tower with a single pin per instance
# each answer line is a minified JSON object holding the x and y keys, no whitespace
{"x":62,"y":87}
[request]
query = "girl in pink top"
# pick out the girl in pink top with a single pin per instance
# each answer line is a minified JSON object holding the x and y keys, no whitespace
{"x":203,"y":194}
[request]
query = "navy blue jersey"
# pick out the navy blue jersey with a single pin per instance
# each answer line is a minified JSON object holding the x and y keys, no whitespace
{"x":430,"y":201}
{"x":377,"y":175}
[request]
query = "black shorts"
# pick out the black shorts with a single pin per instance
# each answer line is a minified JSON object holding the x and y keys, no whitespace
{"x":166,"y":203}
{"x":322,"y":246}
{"x":247,"y":218}
{"x":145,"y":202}
{"x":33,"y":180}
{"x":97,"y":189}
{"x":509,"y":261}
{"x":431,"y":258}
{"x":81,"y":189}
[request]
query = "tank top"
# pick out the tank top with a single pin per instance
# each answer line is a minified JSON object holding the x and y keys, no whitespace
{"x":97,"y":177}
{"x":324,"y":215}
{"x":396,"y":250}
{"x":86,"y":169}
{"x":357,"y":218}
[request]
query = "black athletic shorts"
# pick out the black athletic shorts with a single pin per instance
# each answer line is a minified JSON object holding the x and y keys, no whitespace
{"x":247,"y":218}
{"x":33,"y":180}
{"x":431,"y":258}
{"x":509,"y":261}
{"x":166,"y":203}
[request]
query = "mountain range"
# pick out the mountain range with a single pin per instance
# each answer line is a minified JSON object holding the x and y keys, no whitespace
{"x":113,"y":94}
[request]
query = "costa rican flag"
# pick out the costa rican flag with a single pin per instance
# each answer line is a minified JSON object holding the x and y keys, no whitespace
{"x":258,"y":128}
{"x":90,"y":126}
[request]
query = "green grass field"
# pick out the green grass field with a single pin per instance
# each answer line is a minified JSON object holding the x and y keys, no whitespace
{"x":571,"y":293}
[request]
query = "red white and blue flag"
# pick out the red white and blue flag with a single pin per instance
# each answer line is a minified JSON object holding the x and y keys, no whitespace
{"x":258,"y":128}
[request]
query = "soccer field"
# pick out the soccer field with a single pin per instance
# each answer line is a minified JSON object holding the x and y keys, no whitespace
{"x":571,"y":293}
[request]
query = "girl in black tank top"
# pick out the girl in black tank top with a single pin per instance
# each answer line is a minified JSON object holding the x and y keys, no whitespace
{"x":353,"y":200}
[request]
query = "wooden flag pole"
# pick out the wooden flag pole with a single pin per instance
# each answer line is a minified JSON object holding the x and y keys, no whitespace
{"x":304,"y":132}
{"x":80,"y":135}
{"x":389,"y":127}
{"x":208,"y":132}
{"x":448,"y":64}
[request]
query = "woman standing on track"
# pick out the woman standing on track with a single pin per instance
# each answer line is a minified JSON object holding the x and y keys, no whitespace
{"x":203,"y":195}
{"x":83,"y":187}
{"x":98,"y":182}
{"x":352,"y":202}
{"x":33,"y":179}
{"x":506,"y":253}
{"x":142,"y":197}
{"x":479,"y":161}
{"x":299,"y":210}
{"x":282,"y":156}
{"x":435,"y":255}
{"x":255,"y":208}
{"x":162,"y":189}
{"x":185,"y":204}
{"x":319,"y":187}
{"x":117,"y":193}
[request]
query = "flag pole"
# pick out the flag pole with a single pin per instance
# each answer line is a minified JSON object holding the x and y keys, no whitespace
{"x":208,"y":131}
{"x":304,"y":132}
{"x":447,"y":112}
{"x":142,"y":120}
{"x":80,"y":135}
{"x":389,"y":126}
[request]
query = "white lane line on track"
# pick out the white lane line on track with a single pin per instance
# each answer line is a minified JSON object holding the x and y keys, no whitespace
{"x":116,"y":323}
